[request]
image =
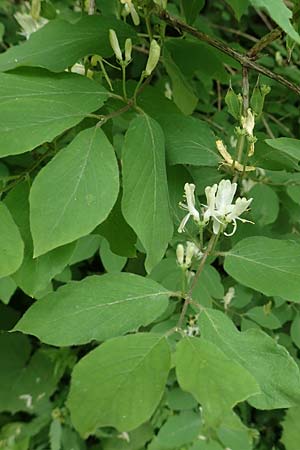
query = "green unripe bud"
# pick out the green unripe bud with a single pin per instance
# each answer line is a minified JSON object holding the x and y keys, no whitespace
{"x":154,"y":55}
{"x":128,"y":50}
{"x":113,"y":39}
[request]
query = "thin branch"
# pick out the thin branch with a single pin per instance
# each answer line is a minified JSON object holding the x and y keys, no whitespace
{"x":207,"y":252}
{"x":264,"y":42}
{"x":244,"y":60}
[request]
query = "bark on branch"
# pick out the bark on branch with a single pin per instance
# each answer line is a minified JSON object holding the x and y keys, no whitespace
{"x":244,"y":60}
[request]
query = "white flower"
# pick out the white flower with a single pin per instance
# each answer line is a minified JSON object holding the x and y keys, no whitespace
{"x":189,"y":190}
{"x":185,"y":256}
{"x":28,"y":24}
{"x":228,"y":297}
{"x":248,"y":122}
{"x":220,"y":207}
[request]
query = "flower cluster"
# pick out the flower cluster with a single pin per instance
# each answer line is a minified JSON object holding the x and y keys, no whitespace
{"x":220,"y":208}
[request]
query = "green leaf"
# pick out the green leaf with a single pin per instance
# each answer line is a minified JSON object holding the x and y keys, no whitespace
{"x":263,"y":318}
{"x":288,"y":148}
{"x":239,"y":7}
{"x":189,"y":141}
{"x":280,"y":13}
{"x":11,"y":243}
{"x":131,"y":371}
{"x":85,"y":248}
{"x":145,"y":202}
{"x":50,"y":103}
{"x":111,"y":262}
{"x":24,"y":384}
{"x":87,"y":191}
{"x":137,"y":439}
{"x":179,"y":430}
{"x":265,"y":204}
{"x":35,"y":274}
{"x":183,"y":95}
{"x":295,"y":330}
{"x":60,"y":44}
{"x":294,"y":192}
{"x":269,"y":363}
{"x":120,"y":235}
{"x":98,"y":307}
{"x":191,"y":9}
{"x":7,"y":289}
{"x":291,"y":432}
{"x":266,"y":265}
{"x":199,"y":364}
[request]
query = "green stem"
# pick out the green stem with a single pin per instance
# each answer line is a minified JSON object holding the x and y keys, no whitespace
{"x":137,"y":88}
{"x":211,"y":244}
{"x":124,"y":81}
{"x":148,"y":25}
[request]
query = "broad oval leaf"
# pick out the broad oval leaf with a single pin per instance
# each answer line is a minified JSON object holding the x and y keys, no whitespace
{"x":11,"y":243}
{"x":270,"y":364}
{"x":98,"y":307}
{"x":34,"y":274}
{"x":267,"y":265}
{"x":145,"y":202}
{"x":36,"y":106}
{"x":60,"y":44}
{"x":280,"y":13}
{"x":199,"y":364}
{"x":120,"y":383}
{"x":74,"y":192}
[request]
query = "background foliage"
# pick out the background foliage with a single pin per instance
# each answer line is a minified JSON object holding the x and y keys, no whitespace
{"x":111,"y":339}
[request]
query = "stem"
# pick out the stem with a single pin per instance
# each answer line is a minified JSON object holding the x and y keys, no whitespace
{"x":210,"y":246}
{"x":148,"y":25}
{"x":241,"y":58}
{"x":264,"y":42}
{"x":245,"y":90}
{"x":105,"y":74}
{"x":124,"y":81}
{"x":137,"y":88}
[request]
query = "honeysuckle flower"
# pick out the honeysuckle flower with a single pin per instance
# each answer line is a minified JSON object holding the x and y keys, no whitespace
{"x":131,"y":9}
{"x":248,"y":122}
{"x":185,"y":256}
{"x":189,"y":190}
{"x":220,"y":208}
{"x":28,"y":24}
{"x":228,"y":297}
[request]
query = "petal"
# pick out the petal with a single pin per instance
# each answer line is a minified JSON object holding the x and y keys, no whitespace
{"x":240,"y":206}
{"x":216,"y":226}
{"x":225,"y":194}
{"x":183,"y":223}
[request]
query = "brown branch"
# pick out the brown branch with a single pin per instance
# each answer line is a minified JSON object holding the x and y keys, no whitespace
{"x":244,"y":60}
{"x":264,"y":42}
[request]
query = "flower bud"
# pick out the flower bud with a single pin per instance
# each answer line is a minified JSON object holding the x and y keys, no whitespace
{"x":180,"y":254}
{"x":154,"y":55}
{"x":113,"y":39}
{"x":128,"y":49}
{"x":35,"y":9}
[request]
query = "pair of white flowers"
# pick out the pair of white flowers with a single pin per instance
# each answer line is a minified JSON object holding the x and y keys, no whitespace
{"x":220,"y":207}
